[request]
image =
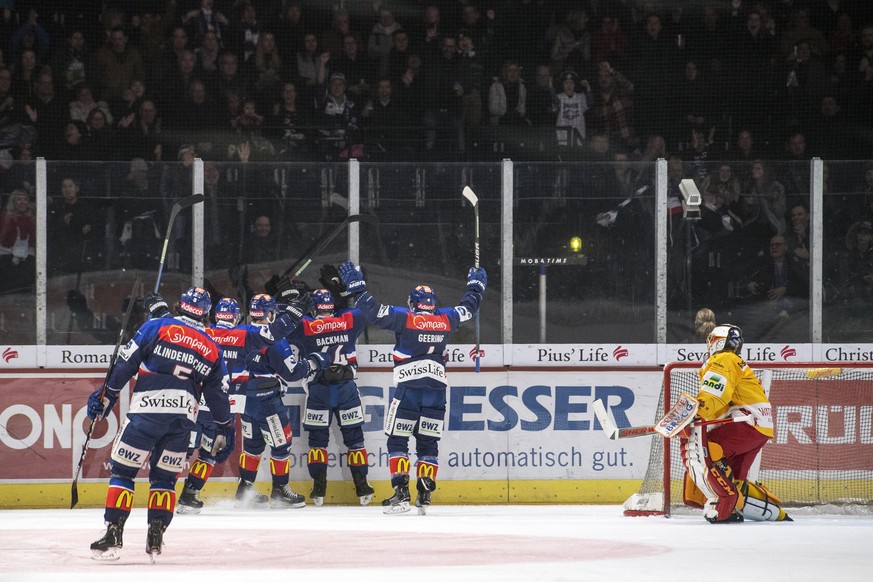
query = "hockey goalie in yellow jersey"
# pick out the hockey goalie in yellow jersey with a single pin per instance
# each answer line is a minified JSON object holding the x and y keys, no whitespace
{"x":717,"y":461}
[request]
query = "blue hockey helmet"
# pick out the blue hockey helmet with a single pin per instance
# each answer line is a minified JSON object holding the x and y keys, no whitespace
{"x":195,"y":302}
{"x":227,"y":310}
{"x":323,"y":301}
{"x":261,"y":306}
{"x":422,"y":298}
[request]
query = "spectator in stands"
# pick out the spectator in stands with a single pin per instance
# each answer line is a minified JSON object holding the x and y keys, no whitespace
{"x":25,"y":76}
{"x":75,"y":238}
{"x":744,"y":152}
{"x":47,"y":113}
{"x":795,"y":175}
{"x":797,"y":237}
{"x":610,"y":44}
{"x":199,"y":116}
{"x":244,"y":34}
{"x":398,"y":56}
{"x":176,"y":86}
{"x":507,"y":97}
{"x":805,"y":83}
{"x":72,"y":65}
{"x":17,"y":243}
{"x":30,"y":35}
{"x":76,"y":145}
{"x":571,"y":48}
{"x":443,"y":98}
{"x":118,"y":64}
{"x":748,"y":65}
{"x":207,"y":55}
{"x":428,"y":44}
{"x":770,"y":194}
{"x":143,"y":134}
{"x":139,"y":219}
{"x":81,"y":107}
{"x":724,"y":184}
{"x":571,"y":107}
{"x":541,"y":98}
{"x":168,"y":61}
{"x":249,"y":126}
{"x":842,"y":37}
{"x":101,"y":136}
{"x":262,"y":244}
{"x":653,"y":63}
{"x":229,"y":77}
{"x":265,"y":70}
{"x":381,"y":40}
{"x":309,"y":60}
{"x":613,"y":109}
{"x":470,"y":72}
{"x":224,"y":231}
{"x":289,"y":35}
{"x":355,"y":67}
{"x":332,"y":39}
{"x":856,"y":265}
{"x":338,"y":115}
{"x":410,"y":90}
{"x":481,"y":32}
{"x":206,"y":20}
{"x":777,"y":281}
{"x":288,"y":124}
{"x":382,"y":120}
{"x":693,"y":99}
{"x":699,"y":154}
{"x":133,"y":97}
{"x":8,"y":113}
{"x":859,"y":64}
{"x":800,"y":31}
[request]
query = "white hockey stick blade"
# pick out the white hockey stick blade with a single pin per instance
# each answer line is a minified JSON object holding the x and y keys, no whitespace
{"x":609,"y":428}
{"x":470,"y":195}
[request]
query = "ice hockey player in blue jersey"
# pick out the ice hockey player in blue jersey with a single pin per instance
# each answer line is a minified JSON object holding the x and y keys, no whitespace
{"x":333,"y":393}
{"x":175,"y":363}
{"x":265,"y":418}
{"x":418,"y":407}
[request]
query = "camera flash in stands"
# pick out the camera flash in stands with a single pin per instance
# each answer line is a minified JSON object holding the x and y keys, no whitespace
{"x":575,"y":244}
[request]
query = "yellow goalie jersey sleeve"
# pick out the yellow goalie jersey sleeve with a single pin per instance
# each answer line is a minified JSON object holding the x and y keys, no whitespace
{"x":728,"y":387}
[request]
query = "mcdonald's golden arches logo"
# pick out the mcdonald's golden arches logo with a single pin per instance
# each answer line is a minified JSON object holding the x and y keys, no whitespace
{"x":162,"y":499}
{"x":357,"y":458}
{"x":318,"y":456}
{"x":120,"y":498}
{"x":427,"y":470}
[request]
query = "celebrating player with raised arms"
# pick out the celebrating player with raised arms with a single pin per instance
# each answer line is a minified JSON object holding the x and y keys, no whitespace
{"x":265,"y":418}
{"x":332,"y":393}
{"x":419,"y":405}
{"x":176,"y":363}
{"x":717,"y":461}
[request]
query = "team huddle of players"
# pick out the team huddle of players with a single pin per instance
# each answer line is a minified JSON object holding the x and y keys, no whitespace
{"x":193,"y":379}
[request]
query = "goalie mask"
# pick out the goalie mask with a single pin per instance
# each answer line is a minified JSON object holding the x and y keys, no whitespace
{"x":227,"y":310}
{"x":195,"y":303}
{"x":422,"y":298}
{"x":323,"y":301}
{"x":724,"y":338}
{"x":262,"y":306}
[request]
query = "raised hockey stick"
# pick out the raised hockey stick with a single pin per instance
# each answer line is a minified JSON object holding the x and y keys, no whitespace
{"x":177,"y":208}
{"x":673,"y":422}
{"x":314,"y":249}
{"x":74,"y":492}
{"x":474,"y":200}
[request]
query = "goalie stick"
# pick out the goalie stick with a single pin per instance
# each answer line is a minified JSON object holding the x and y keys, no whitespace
{"x":474,"y":200}
{"x":680,"y":416}
{"x":177,"y":208}
{"x":314,"y":249}
{"x":74,"y":491}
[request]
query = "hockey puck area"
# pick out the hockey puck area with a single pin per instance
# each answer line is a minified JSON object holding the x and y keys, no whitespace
{"x":190,"y":549}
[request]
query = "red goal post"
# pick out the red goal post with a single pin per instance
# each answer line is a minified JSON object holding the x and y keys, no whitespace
{"x":822,"y":451}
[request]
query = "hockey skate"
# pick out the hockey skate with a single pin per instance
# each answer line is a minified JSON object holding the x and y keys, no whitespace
{"x":425,"y":486}
{"x":189,"y":501}
{"x":319,"y":490}
{"x":108,"y":548}
{"x":363,"y":489}
{"x":155,"y":538}
{"x":247,"y":496}
{"x":399,"y":502}
{"x":283,"y":497}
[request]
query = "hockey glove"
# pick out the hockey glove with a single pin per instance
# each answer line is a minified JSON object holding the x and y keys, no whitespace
{"x":330,"y":279}
{"x":352,"y":278}
{"x":156,"y":306}
{"x":338,"y":373}
{"x":224,"y":443}
{"x":301,"y":306}
{"x":317,"y":361}
{"x":100,"y":403}
{"x":477,"y":280}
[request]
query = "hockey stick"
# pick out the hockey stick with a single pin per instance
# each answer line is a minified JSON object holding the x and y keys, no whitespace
{"x":177,"y":208}
{"x":474,"y":200}
{"x":314,"y":249}
{"x":74,"y":492}
{"x":615,"y":433}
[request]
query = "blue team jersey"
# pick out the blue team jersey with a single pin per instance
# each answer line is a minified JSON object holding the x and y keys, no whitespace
{"x":419,"y":338}
{"x":336,"y":335}
{"x":237,"y":342}
{"x":176,"y":364}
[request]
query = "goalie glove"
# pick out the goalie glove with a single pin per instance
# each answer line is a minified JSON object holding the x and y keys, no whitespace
{"x":352,"y":278}
{"x":477,"y":279}
{"x":224,"y":442}
{"x":100,"y":403}
{"x":156,"y":306}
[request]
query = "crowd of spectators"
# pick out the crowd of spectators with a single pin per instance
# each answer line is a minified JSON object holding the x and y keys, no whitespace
{"x":746,"y":85}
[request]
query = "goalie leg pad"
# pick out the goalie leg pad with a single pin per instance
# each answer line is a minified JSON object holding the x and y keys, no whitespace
{"x":711,"y":475}
{"x":760,"y":504}
{"x":692,"y":496}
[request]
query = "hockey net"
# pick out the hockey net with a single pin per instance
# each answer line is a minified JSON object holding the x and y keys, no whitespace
{"x":822,"y":451}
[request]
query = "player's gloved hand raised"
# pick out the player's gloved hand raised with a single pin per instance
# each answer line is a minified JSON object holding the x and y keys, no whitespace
{"x":477,"y":279}
{"x":100,"y":403}
{"x":330,"y":279}
{"x":352,"y":277}
{"x":224,"y":443}
{"x":156,"y":306}
{"x":301,"y":306}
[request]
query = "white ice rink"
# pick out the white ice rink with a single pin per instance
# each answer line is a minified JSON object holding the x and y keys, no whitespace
{"x":451,"y":543}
